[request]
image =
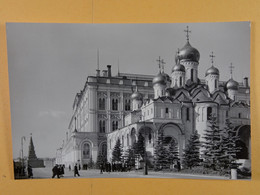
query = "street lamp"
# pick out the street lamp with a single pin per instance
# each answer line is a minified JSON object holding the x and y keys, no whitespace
{"x":145,"y":153}
{"x":22,"y":140}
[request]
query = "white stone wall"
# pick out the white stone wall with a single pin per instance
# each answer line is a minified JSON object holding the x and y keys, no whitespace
{"x":210,"y":80}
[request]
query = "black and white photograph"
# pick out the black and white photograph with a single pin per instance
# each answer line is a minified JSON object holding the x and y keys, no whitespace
{"x":165,"y":100}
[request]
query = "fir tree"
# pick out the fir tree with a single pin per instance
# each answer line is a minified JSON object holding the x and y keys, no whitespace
{"x":191,"y":157}
{"x":213,"y":145}
{"x":117,"y":152}
{"x":140,"y":146}
{"x":160,"y":153}
{"x":101,"y":159}
{"x":230,"y":147}
{"x":130,"y":157}
{"x":173,"y":152}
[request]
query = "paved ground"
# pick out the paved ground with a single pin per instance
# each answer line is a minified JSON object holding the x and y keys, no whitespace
{"x":47,"y":173}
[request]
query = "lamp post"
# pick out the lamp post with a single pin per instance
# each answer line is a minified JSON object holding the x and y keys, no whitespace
{"x":22,"y":140}
{"x":145,"y":153}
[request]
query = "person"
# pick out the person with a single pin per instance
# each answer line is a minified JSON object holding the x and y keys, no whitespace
{"x":30,"y":171}
{"x":69,"y":168}
{"x":101,"y":168}
{"x":76,"y":172}
{"x":55,"y":171}
{"x":178,"y":165}
{"x":61,"y":170}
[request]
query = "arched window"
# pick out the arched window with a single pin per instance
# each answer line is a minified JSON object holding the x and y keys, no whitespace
{"x":104,"y":127}
{"x":239,"y":115}
{"x":101,"y":103}
{"x":127,"y":105}
{"x":123,"y":143}
{"x":104,"y":149}
{"x":188,"y":114}
{"x":209,"y":113}
{"x":100,"y":126}
{"x":150,"y":138}
{"x":180,"y":81}
{"x":114,"y":125}
{"x":127,"y":140}
{"x":86,"y":151}
{"x":216,"y":84}
{"x":191,"y":75}
{"x":114,"y":104}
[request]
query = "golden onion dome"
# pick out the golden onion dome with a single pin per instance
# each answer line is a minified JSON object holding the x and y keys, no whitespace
{"x":212,"y":70}
{"x":188,"y":53}
{"x":136,"y":95}
{"x":178,"y":67}
{"x":231,"y":84}
{"x":160,"y":79}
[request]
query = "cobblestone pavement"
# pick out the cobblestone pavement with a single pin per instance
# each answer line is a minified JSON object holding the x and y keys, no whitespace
{"x":39,"y":173}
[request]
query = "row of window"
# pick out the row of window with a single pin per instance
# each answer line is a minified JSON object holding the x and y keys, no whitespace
{"x":115,"y":103}
{"x":102,"y":126}
{"x":127,"y":140}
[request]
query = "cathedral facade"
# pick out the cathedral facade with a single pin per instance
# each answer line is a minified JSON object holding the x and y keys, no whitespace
{"x":122,"y":106}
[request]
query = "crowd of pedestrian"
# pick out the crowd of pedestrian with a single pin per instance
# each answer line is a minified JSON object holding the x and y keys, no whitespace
{"x":58,"y":170}
{"x":114,"y":167}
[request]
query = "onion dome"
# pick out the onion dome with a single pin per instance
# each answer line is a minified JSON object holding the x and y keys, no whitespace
{"x":231,"y":84}
{"x":166,"y":76}
{"x":136,"y":95}
{"x":212,"y":70}
{"x":160,"y":79}
{"x":178,"y":67}
{"x":188,"y":53}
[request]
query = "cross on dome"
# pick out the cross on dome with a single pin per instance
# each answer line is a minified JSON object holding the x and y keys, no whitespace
{"x":212,"y":58}
{"x":159,"y":63}
{"x":187,"y":33}
{"x":162,"y":65}
{"x":231,"y":67}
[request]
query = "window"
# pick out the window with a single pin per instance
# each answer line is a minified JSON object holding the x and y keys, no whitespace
{"x":127,"y":140}
{"x":216,"y":84}
{"x":86,"y":151}
{"x":209,"y":113}
{"x":188,"y":114}
{"x":114,"y":125}
{"x":102,"y":126}
{"x":104,"y":149}
{"x":122,"y":141}
{"x":239,"y":115}
{"x":110,"y":144}
{"x":191,"y":75}
{"x":226,"y":114}
{"x":114,"y":104}
{"x":101,"y":104}
{"x":180,"y":81}
{"x":127,"y":105}
{"x":150,"y":138}
{"x":166,"y":110}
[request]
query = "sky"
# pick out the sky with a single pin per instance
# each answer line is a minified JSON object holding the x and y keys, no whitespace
{"x":49,"y":63}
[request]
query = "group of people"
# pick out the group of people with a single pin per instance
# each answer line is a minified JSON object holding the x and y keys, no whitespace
{"x":114,"y":167}
{"x":58,"y":170}
{"x":20,"y":170}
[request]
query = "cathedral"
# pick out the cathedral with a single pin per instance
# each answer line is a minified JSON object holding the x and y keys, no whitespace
{"x":110,"y":107}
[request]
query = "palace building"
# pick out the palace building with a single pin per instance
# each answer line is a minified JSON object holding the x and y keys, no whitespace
{"x":110,"y":107}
